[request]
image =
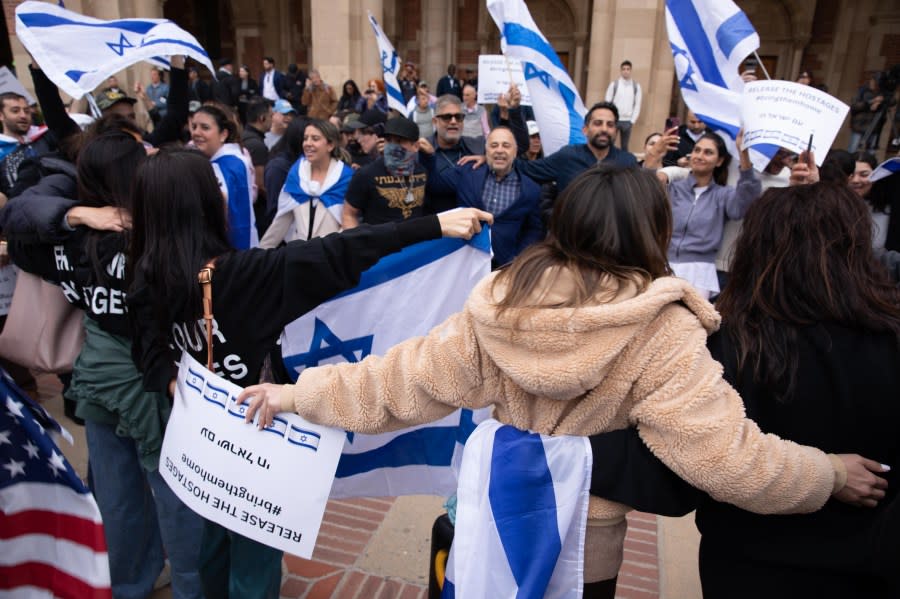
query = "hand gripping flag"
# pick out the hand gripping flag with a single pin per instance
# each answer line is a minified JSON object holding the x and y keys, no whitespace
{"x":51,"y":535}
{"x":558,"y":108}
{"x":390,"y":66}
{"x":403,"y":295}
{"x":520,"y":517}
{"x":709,"y":40}
{"x":78,"y":53}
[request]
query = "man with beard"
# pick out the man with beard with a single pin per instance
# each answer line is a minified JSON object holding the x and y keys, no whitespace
{"x":561,"y":167}
{"x":688,"y":134}
{"x":447,"y":148}
{"x":368,"y":136}
{"x":20,"y":140}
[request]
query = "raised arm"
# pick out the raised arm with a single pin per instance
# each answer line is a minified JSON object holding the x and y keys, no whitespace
{"x":170,"y":126}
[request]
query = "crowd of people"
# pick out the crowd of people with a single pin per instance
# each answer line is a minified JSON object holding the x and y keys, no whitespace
{"x":779,"y":398}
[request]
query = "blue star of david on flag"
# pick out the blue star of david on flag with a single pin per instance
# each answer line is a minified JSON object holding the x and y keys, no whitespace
{"x":686,"y":82}
{"x":119,"y":48}
{"x":532,"y":72}
{"x":325,"y":345}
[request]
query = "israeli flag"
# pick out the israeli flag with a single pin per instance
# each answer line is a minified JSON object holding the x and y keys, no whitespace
{"x":558,"y":108}
{"x":521,"y":516}
{"x":404,"y":295}
{"x":885,"y":169}
{"x":78,"y":53}
{"x":235,"y":175}
{"x":709,"y":40}
{"x":390,"y":65}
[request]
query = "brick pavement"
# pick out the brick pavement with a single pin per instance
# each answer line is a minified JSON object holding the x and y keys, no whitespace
{"x":350,"y":525}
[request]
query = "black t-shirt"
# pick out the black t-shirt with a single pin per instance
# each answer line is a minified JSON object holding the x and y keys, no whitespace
{"x":256,"y":293}
{"x":255,"y":143}
{"x":385,"y":198}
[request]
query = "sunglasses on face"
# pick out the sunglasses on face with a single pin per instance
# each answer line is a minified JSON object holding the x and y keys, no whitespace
{"x":449,"y":117}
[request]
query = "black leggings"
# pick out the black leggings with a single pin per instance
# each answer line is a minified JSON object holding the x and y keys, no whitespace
{"x":604,"y":589}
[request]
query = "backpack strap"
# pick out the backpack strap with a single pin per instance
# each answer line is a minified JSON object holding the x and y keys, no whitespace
{"x":205,"y":279}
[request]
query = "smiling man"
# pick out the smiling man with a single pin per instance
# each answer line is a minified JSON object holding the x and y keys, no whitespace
{"x":499,"y":187}
{"x":447,"y":148}
{"x":561,"y":167}
{"x":20,"y":140}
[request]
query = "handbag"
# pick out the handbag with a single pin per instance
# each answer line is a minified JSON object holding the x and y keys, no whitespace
{"x":43,"y":331}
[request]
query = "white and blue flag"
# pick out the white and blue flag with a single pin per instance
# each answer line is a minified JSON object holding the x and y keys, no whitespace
{"x":404,"y":295}
{"x":235,"y":175}
{"x":709,"y":40}
{"x":521,"y":515}
{"x":390,"y":66}
{"x":558,"y":108}
{"x":886,"y":169}
{"x":78,"y":53}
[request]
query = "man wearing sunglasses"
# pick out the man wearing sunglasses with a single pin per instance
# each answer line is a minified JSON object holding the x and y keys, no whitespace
{"x":447,"y":148}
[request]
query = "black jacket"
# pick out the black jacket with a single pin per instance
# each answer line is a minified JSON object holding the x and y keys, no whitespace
{"x":255,"y":294}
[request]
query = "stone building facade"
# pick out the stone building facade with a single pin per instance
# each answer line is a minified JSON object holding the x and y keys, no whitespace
{"x":840,"y":41}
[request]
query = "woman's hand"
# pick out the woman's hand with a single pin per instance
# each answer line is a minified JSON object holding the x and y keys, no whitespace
{"x":107,"y":218}
{"x":464,"y":222}
{"x":863,"y":487}
{"x":655,"y":153}
{"x":804,"y":171}
{"x":266,"y":400}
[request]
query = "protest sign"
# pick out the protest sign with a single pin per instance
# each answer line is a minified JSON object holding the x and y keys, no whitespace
{"x":785,"y":114}
{"x":495,"y":72}
{"x":269,"y":485}
{"x":9,"y":83}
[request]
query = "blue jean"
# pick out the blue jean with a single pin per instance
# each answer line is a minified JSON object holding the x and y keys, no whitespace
{"x":235,"y":567}
{"x":141,"y":517}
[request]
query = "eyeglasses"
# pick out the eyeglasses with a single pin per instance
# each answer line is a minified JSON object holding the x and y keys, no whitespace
{"x":449,"y":117}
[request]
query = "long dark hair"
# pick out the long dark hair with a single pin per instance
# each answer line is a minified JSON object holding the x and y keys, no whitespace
{"x":356,"y":95}
{"x":611,"y":225}
{"x":179,"y":224}
{"x":720,"y":173}
{"x":291,"y":143}
{"x":106,"y":166}
{"x":804,"y":256}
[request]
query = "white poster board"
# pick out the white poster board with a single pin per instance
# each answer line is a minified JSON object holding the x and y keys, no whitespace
{"x":269,"y":485}
{"x":785,"y":114}
{"x":9,"y":83}
{"x":495,"y":71}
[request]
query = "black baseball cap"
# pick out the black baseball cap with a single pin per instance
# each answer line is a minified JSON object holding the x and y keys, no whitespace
{"x":369,"y":118}
{"x":402,"y":127}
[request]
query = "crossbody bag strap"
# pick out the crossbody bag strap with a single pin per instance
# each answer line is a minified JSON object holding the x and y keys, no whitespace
{"x":312,"y":218}
{"x":205,"y":278}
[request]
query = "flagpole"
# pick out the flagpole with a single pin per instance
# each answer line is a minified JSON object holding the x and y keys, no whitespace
{"x":761,"y":65}
{"x":93,"y":104}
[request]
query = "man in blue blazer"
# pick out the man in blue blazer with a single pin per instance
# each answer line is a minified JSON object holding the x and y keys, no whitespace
{"x":272,"y":83}
{"x":498,"y":187}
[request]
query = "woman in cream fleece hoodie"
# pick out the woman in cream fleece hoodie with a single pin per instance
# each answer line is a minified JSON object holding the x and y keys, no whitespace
{"x":585,"y":332}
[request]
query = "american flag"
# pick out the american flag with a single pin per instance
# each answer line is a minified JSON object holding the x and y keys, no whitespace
{"x":51,"y":535}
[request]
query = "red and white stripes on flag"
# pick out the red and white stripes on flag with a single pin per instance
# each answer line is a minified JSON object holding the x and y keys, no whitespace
{"x":51,"y":535}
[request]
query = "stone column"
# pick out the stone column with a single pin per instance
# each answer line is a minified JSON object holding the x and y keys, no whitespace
{"x":632,"y":30}
{"x":435,"y":41}
{"x":343,"y":45}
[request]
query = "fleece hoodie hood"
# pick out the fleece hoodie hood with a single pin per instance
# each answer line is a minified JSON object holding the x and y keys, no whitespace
{"x":547,"y":352}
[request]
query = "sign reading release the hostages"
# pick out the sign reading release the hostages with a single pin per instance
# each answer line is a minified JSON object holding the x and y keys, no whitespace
{"x":270,"y":485}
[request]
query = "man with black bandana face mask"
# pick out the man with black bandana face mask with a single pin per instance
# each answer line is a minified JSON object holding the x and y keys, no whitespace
{"x":393,"y":187}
